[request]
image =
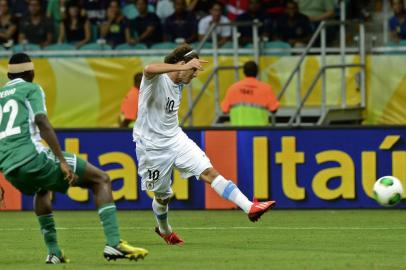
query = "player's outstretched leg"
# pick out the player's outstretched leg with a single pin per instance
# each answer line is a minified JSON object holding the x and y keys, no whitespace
{"x":164,"y":230}
{"x":115,"y":248}
{"x":43,"y":210}
{"x":228,"y":190}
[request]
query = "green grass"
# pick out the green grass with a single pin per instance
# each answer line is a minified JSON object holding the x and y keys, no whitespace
{"x":345,"y":239}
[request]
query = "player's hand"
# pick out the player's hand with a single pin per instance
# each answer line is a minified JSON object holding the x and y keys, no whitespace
{"x":68,"y":173}
{"x":195,"y":64}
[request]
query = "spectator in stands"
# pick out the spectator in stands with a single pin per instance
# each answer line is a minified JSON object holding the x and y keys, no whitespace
{"x":19,"y":8}
{"x":75,"y":28}
{"x":200,"y":8}
{"x":317,"y":10}
{"x":130,"y":11}
{"x":114,"y":29}
{"x":293,"y":27}
{"x":223,"y":32}
{"x":397,"y":23}
{"x":181,"y":26}
{"x":8,"y":27}
{"x":249,"y":101}
{"x":56,"y":10}
{"x":254,"y":12}
{"x":164,"y":9}
{"x":95,"y":10}
{"x":36,"y":28}
{"x":147,"y":25}
{"x":129,"y":105}
{"x":235,"y":8}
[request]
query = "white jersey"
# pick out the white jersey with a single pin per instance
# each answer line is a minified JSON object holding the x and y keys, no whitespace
{"x":157,"y":123}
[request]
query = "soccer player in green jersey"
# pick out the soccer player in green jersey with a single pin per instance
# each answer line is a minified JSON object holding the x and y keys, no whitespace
{"x":35,"y":169}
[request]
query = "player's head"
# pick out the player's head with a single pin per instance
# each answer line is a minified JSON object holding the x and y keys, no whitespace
{"x":250,"y":69}
{"x":20,"y":66}
{"x":181,"y":55}
{"x":137,"y":79}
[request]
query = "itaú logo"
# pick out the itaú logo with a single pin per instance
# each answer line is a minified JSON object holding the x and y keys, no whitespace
{"x":349,"y":170}
{"x":291,"y":166}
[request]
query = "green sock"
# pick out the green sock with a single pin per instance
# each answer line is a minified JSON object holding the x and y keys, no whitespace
{"x":108,"y":218}
{"x":47,"y":225}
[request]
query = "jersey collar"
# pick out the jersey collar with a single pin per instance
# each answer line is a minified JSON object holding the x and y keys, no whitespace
{"x":18,"y":80}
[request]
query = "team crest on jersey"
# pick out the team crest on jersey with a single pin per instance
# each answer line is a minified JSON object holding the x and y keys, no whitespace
{"x":149,"y":185}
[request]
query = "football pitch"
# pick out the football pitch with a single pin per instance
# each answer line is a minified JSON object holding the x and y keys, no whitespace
{"x":283,"y":239}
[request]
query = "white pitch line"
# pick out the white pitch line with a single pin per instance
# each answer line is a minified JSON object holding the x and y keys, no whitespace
{"x":218,"y":228}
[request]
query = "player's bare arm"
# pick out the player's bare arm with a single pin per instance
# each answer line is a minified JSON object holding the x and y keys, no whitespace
{"x":153,"y":69}
{"x":48,"y":134}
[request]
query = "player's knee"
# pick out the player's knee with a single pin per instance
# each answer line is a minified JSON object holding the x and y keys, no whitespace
{"x":103,"y":178}
{"x":209,"y":174}
{"x":163,"y":202}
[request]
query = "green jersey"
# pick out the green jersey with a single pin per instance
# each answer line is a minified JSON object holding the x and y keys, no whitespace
{"x":20,"y":142}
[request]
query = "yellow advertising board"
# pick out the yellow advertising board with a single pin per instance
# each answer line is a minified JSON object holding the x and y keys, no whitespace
{"x":87,"y":92}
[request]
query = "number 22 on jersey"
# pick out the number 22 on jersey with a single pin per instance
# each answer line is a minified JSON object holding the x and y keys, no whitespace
{"x":11,"y":108}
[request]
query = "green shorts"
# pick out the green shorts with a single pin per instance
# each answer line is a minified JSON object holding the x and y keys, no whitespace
{"x":44,"y":173}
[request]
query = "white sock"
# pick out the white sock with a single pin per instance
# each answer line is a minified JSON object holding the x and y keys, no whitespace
{"x":161,"y":216}
{"x":228,"y":190}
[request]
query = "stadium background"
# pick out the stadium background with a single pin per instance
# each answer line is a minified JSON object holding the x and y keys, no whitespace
{"x":320,"y":176}
{"x":103,"y":82}
{"x":335,"y":167}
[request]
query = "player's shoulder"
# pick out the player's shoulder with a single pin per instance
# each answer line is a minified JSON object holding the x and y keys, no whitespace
{"x":149,"y":81}
{"x":19,"y":84}
{"x":33,"y":86}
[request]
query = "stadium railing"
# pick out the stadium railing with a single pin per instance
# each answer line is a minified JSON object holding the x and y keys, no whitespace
{"x":320,"y":116}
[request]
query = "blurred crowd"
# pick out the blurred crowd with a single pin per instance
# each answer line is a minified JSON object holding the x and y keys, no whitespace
{"x":78,"y":22}
{"x":397,"y":23}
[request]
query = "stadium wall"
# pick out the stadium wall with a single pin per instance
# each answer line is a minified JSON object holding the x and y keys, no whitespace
{"x":300,"y":168}
{"x":87,"y":92}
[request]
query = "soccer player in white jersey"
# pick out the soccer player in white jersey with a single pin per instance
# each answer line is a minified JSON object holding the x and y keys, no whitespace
{"x":161,"y":144}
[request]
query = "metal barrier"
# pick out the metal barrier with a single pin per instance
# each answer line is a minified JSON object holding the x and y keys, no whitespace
{"x":322,"y":74}
{"x":321,"y":115}
{"x":295,"y":118}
